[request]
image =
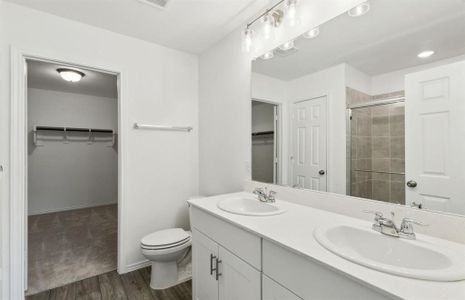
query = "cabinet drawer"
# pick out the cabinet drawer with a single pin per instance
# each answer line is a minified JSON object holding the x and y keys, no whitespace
{"x":238,"y":241}
{"x":311,"y":280}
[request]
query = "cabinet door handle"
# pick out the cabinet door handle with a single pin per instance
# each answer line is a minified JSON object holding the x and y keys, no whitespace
{"x":218,"y":274}
{"x":212,"y":257}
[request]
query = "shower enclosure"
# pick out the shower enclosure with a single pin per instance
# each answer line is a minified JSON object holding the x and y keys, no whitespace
{"x":376,"y":150}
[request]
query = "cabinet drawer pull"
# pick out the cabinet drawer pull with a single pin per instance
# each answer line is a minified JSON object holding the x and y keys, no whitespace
{"x":218,"y":274}
{"x":212,"y":257}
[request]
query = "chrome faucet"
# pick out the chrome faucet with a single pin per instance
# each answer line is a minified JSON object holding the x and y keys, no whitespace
{"x":264,"y":196}
{"x":388,"y":227}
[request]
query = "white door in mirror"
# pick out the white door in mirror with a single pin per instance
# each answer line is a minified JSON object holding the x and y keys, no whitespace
{"x":249,"y":206}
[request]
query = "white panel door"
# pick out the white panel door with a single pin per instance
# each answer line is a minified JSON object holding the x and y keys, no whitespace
{"x":309,"y":144}
{"x":238,"y":280}
{"x":204,"y":254}
{"x":435,"y":138}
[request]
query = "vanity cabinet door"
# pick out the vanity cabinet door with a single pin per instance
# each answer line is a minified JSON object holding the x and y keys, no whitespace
{"x":238,"y":280}
{"x":204,"y":255}
{"x":274,"y":291}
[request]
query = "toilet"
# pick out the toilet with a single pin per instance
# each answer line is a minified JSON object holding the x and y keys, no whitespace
{"x":164,"y":248}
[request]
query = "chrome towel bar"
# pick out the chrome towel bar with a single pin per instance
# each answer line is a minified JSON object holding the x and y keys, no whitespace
{"x":162,"y":127}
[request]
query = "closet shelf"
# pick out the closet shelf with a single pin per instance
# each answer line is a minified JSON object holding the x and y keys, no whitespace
{"x":89,"y":131}
{"x":260,"y":133}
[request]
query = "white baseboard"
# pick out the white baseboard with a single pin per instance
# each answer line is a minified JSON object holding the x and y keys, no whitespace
{"x":73,"y":207}
{"x":138,"y":265}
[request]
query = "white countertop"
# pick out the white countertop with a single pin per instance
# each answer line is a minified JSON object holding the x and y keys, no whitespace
{"x":294,"y":231}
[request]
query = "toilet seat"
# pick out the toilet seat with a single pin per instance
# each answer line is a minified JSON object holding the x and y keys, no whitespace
{"x":166,"y":239}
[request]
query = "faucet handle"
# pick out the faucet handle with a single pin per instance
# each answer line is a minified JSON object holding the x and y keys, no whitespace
{"x":406,"y":221}
{"x":378,"y":215}
{"x":271,"y":195}
{"x":258,"y":191}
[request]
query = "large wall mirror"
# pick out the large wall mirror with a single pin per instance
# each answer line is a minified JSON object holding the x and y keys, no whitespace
{"x":371,"y":106}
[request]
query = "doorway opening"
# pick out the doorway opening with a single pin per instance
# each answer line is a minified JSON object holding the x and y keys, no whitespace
{"x":72,"y":174}
{"x":265,"y":142}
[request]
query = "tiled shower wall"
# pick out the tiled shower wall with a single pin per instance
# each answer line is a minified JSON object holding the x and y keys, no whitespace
{"x":377,"y":148}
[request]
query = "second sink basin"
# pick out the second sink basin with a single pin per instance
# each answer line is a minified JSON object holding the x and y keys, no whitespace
{"x":408,"y":258}
{"x":249,"y":206}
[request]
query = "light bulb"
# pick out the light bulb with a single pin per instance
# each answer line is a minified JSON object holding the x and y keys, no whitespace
{"x":312,"y":33}
{"x":287,"y":46}
{"x":360,"y":9}
{"x":425,"y":54}
{"x":70,"y":75}
{"x":247,"y":40}
{"x":268,"y":55}
{"x":291,"y":12}
{"x":267,"y":26}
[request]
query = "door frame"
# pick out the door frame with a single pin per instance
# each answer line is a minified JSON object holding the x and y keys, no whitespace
{"x":278,"y":138}
{"x":291,"y":136}
{"x":14,"y":275}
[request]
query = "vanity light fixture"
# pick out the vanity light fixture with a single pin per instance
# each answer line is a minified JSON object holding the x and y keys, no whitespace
{"x":359,"y":10}
{"x":312,"y":33}
{"x":70,"y":74}
{"x":268,"y":55}
{"x":425,"y":54}
{"x":247,"y":39}
{"x":268,"y":23}
{"x":291,"y":12}
{"x":287,"y":45}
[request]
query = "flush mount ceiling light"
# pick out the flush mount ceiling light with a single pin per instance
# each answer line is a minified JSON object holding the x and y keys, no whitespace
{"x":70,"y":74}
{"x":312,"y":33}
{"x":287,"y":45}
{"x":425,"y":54}
{"x":267,"y":55}
{"x":360,"y":9}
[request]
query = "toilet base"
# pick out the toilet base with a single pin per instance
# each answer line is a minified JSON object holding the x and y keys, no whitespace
{"x":162,"y":275}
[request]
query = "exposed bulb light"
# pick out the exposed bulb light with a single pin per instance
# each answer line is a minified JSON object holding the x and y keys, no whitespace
{"x":268,"y":23}
{"x":360,"y":9}
{"x":70,"y":75}
{"x":247,"y":40}
{"x":287,"y":45}
{"x":425,"y":54}
{"x":268,"y":55}
{"x":291,"y":12}
{"x":312,"y":33}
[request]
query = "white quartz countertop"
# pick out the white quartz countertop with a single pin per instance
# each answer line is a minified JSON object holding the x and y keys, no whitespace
{"x":294,"y":231}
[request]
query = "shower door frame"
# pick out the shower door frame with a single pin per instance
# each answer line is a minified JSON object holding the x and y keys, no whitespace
{"x":14,"y":275}
{"x":349,"y":110}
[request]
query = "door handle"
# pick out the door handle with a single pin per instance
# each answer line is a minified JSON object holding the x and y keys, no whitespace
{"x":212,"y":257}
{"x":322,"y":172}
{"x":412,"y":184}
{"x":218,"y":274}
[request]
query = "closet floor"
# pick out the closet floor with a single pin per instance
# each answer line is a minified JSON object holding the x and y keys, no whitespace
{"x":70,"y":246}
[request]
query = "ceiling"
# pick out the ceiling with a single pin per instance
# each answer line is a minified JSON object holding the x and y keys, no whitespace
{"x":43,"y":75}
{"x":188,"y":25}
{"x":386,"y":39}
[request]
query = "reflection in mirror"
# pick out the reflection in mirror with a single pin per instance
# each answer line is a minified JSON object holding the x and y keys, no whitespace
{"x":370,"y":106}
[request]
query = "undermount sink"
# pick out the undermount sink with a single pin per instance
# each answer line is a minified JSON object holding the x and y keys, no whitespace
{"x":407,"y":258}
{"x":249,"y":206}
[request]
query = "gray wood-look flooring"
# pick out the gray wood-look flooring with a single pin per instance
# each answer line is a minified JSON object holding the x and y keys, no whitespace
{"x":112,"y":286}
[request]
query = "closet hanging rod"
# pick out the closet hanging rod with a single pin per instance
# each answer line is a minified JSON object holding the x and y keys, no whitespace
{"x":73,"y":129}
{"x":162,"y":127}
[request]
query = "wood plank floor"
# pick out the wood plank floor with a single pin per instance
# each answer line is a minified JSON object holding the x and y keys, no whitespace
{"x":112,"y":286}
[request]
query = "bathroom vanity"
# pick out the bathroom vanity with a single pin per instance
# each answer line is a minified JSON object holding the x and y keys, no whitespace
{"x":251,"y":254}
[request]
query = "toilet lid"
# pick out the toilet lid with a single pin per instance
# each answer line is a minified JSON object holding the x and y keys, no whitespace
{"x":165,"y":237}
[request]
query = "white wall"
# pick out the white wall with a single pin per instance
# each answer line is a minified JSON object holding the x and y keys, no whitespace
{"x":225,"y":73}
{"x":161,"y":87}
{"x":77,"y":174}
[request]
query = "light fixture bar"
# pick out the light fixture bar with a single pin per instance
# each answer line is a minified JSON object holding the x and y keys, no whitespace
{"x":266,"y":11}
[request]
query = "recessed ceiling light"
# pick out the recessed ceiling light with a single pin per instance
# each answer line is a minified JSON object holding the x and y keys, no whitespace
{"x":360,"y":9}
{"x":312,"y":33}
{"x":268,"y":55}
{"x":70,"y":75}
{"x":287,"y":46}
{"x":425,"y":54}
